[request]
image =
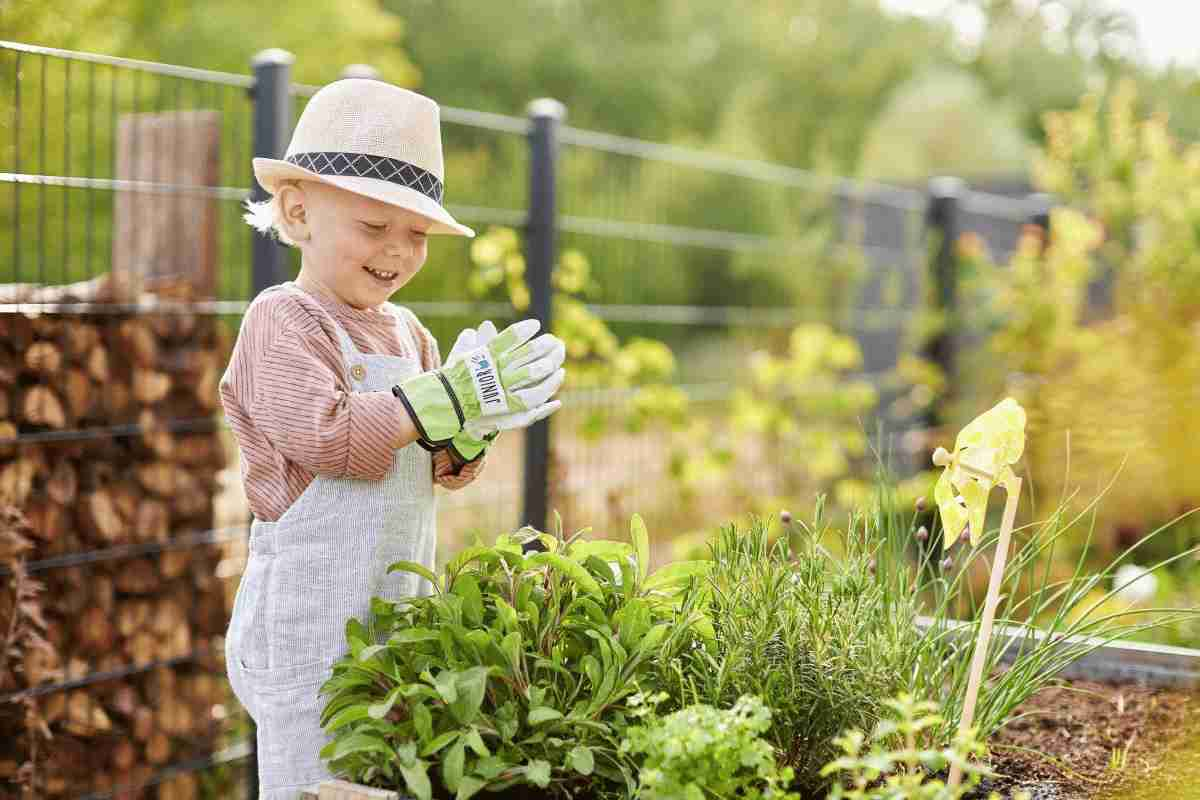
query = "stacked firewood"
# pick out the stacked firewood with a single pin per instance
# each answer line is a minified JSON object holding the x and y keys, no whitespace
{"x":109,"y":448}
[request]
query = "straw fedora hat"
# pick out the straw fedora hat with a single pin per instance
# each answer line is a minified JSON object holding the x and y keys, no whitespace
{"x":371,"y":138}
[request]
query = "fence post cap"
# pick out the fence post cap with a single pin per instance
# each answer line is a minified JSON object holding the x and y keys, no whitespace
{"x":546,"y":107}
{"x":947,"y":186}
{"x":272,"y":55}
{"x":360,"y":71}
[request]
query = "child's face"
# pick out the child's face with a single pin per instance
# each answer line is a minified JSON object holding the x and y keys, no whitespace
{"x":359,"y":248}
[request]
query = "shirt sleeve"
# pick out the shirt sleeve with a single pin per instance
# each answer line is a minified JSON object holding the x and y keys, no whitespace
{"x":305,"y":410}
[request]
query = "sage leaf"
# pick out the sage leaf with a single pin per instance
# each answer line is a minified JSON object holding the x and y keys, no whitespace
{"x":576,"y":573}
{"x":543,"y":714}
{"x":471,"y":685}
{"x":379,"y":710}
{"x":361,"y":743}
{"x":468,"y":787}
{"x":466,"y":587}
{"x":452,"y":765}
{"x":581,"y":760}
{"x":416,"y":569}
{"x":538,"y":773}
{"x":345,"y":717}
{"x":438,"y":743}
{"x":446,"y":685}
{"x":417,"y":780}
{"x":641,"y":544}
{"x":475,"y":742}
{"x":422,"y":722}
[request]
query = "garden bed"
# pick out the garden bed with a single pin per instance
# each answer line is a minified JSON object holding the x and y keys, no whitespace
{"x":1064,"y":748}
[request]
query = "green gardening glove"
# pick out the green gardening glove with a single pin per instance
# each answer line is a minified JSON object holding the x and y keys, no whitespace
{"x":466,"y":448}
{"x":473,"y":440}
{"x":512,"y":374}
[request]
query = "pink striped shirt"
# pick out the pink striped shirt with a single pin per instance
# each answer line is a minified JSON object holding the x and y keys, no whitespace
{"x":286,"y":394}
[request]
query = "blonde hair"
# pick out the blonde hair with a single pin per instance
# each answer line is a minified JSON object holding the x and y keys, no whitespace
{"x":265,"y":215}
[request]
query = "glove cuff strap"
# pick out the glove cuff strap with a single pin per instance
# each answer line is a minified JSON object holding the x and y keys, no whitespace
{"x":458,"y":409}
{"x":421,"y":387}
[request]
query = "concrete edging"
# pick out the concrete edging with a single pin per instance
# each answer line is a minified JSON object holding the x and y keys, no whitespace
{"x":1133,"y":662}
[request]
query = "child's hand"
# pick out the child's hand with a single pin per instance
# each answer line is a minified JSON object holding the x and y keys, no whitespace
{"x":449,"y":475}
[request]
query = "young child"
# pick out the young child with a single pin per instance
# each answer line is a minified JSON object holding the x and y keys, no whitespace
{"x":344,"y":415}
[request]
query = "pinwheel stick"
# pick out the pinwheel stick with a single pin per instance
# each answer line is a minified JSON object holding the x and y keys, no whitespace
{"x":1013,"y":489}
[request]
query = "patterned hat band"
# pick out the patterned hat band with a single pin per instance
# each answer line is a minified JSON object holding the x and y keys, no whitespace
{"x":363,"y":165}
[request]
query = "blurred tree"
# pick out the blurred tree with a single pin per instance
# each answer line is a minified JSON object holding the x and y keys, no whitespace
{"x":944,"y":123}
{"x":1043,"y":55}
{"x":803,"y":76}
{"x":324,"y":35}
{"x":1113,"y":387}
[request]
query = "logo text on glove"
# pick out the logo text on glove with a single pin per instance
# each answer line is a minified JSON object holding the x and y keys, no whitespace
{"x":487,"y":382}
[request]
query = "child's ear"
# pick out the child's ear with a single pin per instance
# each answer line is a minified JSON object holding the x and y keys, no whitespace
{"x":293,"y":212}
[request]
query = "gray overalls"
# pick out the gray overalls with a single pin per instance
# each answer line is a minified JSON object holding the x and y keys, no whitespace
{"x":313,"y":569}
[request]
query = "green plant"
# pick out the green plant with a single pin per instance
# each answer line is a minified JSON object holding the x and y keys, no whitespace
{"x":808,"y":400}
{"x":1114,"y":383}
{"x":815,"y":632}
{"x":1046,"y":620}
{"x":1118,"y":758}
{"x":514,"y":671}
{"x":851,"y":615}
{"x":630,"y":378}
{"x":904,"y":758}
{"x":700,"y":752}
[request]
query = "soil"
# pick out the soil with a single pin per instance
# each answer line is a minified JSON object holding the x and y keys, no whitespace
{"x":1075,"y":730}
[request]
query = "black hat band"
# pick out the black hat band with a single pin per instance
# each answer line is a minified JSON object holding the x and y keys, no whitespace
{"x":363,"y":165}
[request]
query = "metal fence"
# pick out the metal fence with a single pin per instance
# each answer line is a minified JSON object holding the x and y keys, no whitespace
{"x":97,"y":151}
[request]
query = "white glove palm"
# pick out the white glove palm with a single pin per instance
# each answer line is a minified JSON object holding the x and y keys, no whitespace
{"x":486,"y":425}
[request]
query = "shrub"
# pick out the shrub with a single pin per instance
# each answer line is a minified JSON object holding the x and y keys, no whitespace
{"x":1111,"y":383}
{"x":817,"y":635}
{"x":514,"y":671}
{"x":830,"y":628}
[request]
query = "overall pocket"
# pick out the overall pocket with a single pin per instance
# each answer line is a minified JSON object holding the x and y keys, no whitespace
{"x":290,"y":736}
{"x":312,"y":590}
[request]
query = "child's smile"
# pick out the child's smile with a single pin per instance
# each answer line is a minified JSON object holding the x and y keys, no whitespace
{"x":383,"y":277}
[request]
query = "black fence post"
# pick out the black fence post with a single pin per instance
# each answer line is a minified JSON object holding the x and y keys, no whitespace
{"x":545,"y":116}
{"x":272,"y":129}
{"x":942,"y":220}
{"x":1039,"y":210}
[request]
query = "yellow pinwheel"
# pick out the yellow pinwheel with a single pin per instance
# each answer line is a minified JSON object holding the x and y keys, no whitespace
{"x":984,"y":453}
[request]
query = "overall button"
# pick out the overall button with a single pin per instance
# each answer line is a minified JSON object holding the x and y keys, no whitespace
{"x":358,"y":372}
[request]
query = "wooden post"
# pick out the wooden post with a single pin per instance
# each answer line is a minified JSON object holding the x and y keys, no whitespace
{"x":344,"y":790}
{"x":165,"y":231}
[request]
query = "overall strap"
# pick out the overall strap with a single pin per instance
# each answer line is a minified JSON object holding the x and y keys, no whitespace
{"x":406,"y":321}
